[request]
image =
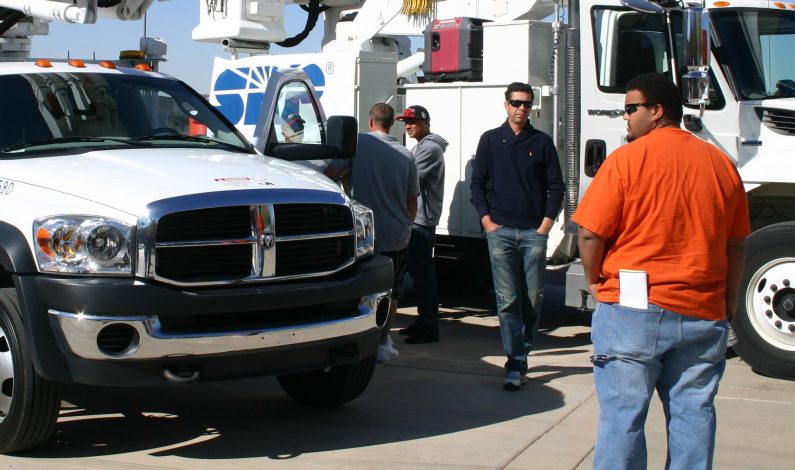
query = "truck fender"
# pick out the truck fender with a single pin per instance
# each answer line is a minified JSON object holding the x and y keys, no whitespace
{"x":17,"y":261}
{"x":15,"y":255}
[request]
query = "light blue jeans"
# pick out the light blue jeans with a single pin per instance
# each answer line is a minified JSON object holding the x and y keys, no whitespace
{"x":518,"y":261}
{"x":637,"y":351}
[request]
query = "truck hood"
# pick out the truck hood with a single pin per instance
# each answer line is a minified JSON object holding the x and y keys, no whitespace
{"x":129,"y":179}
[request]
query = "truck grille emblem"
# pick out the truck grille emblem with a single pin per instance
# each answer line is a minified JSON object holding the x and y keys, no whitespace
{"x":266,"y":240}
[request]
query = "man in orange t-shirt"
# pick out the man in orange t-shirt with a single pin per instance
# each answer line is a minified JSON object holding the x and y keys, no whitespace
{"x":673,"y":207}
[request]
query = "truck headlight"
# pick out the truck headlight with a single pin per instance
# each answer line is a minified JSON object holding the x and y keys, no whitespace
{"x":82,"y":245}
{"x":365,"y":233}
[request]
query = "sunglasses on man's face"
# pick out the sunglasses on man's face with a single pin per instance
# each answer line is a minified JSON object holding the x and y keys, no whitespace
{"x":632,"y":107}
{"x":516,"y":103}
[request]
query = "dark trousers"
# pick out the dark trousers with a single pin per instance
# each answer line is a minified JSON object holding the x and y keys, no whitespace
{"x":422,"y":269}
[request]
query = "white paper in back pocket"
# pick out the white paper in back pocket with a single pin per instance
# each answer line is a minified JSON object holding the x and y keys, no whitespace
{"x":633,"y":290}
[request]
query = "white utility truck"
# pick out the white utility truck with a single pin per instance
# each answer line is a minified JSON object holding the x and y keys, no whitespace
{"x":144,"y":241}
{"x":739,"y":89}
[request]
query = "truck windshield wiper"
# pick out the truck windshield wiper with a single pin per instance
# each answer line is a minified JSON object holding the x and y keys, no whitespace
{"x":63,"y":140}
{"x":191,"y":138}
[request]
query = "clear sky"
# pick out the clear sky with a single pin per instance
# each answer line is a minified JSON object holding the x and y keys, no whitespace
{"x":172,"y":20}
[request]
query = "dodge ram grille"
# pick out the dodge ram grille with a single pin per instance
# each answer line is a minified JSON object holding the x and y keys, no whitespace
{"x":253,"y":243}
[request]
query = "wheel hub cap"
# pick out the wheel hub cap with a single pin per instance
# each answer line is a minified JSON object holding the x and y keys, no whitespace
{"x":770,"y":300}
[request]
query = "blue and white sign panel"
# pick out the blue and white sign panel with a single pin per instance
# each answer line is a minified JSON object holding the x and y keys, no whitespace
{"x":238,"y":86}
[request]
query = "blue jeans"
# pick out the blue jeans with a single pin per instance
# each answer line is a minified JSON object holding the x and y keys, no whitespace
{"x":423,"y":270}
{"x":518,"y":262}
{"x":636,"y":351}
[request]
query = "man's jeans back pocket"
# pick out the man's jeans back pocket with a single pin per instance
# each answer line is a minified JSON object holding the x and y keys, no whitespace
{"x":622,"y":332}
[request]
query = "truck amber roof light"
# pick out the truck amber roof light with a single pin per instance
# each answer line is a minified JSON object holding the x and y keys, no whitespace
{"x":144,"y":67}
{"x":77,"y":63}
{"x":43,"y":63}
{"x":721,"y":4}
{"x":132,"y":55}
{"x":107,"y":64}
{"x":781,"y":5}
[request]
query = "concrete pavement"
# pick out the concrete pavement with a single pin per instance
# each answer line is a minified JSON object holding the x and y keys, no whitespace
{"x":439,"y":406}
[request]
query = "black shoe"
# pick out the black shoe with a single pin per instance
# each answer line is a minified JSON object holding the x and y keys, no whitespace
{"x":513,"y":381}
{"x":421,"y":338}
{"x":411,"y":330}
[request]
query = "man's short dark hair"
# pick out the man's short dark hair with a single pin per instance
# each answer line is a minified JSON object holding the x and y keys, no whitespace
{"x":383,"y":115}
{"x":519,"y":86}
{"x":659,"y":89}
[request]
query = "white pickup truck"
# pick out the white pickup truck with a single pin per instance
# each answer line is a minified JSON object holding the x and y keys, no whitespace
{"x":145,"y":241}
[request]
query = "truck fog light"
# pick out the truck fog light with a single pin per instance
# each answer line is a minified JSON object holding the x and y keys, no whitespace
{"x":382,"y":311}
{"x":118,"y":339}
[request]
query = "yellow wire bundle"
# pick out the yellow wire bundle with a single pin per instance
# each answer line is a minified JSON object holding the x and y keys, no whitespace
{"x":416,"y":7}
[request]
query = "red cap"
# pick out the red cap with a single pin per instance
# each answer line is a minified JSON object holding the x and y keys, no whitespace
{"x":415,"y":112}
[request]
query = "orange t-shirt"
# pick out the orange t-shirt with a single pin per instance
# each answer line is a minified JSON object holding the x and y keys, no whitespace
{"x":667,"y":203}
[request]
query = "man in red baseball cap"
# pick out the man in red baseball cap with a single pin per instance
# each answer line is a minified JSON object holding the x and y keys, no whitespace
{"x":429,"y":157}
{"x":414,"y":113}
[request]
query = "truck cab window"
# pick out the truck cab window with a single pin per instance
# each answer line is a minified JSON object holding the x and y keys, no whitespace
{"x":628,"y":43}
{"x":297,"y":119}
{"x":89,"y":110}
{"x":26,"y":123}
{"x":754,"y":47}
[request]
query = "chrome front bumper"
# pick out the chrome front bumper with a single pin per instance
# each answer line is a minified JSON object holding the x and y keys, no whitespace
{"x":81,"y":331}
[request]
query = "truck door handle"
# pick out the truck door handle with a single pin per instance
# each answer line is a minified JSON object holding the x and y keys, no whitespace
{"x":595,"y":154}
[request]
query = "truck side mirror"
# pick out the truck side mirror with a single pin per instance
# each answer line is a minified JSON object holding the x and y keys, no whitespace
{"x":696,"y":55}
{"x":342,"y":132}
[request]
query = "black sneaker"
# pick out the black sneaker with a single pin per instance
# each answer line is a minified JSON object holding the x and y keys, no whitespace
{"x":513,"y":381}
{"x":421,"y":338}
{"x":411,"y":330}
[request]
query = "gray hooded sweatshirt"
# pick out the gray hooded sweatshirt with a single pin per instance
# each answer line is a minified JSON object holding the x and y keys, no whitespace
{"x":429,"y":157}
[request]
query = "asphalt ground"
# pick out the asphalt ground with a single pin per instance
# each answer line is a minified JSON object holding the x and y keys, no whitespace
{"x":438,"y":406}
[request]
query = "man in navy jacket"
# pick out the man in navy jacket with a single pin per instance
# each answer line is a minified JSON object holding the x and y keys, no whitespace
{"x":517,"y":189}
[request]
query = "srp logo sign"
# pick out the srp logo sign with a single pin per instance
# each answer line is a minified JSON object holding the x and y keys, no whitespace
{"x":239,"y":90}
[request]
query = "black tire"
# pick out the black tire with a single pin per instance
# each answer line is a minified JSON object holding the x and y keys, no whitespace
{"x":29,"y":404}
{"x":765,"y":321}
{"x":331,"y":386}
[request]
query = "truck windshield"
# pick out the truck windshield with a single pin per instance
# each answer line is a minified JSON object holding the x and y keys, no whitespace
{"x":755,"y":48}
{"x":54,"y":112}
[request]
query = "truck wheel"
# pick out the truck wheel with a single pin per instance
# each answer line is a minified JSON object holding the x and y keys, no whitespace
{"x":331,"y":386}
{"x":765,"y":321}
{"x":29,"y":404}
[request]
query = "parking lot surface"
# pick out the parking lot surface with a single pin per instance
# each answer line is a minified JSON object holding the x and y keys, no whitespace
{"x":438,"y":406}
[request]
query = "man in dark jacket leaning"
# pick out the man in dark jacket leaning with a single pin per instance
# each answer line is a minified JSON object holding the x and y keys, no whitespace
{"x":517,"y":189}
{"x":429,"y":157}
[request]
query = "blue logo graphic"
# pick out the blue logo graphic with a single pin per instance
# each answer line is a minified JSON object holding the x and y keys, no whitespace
{"x":240,"y":91}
